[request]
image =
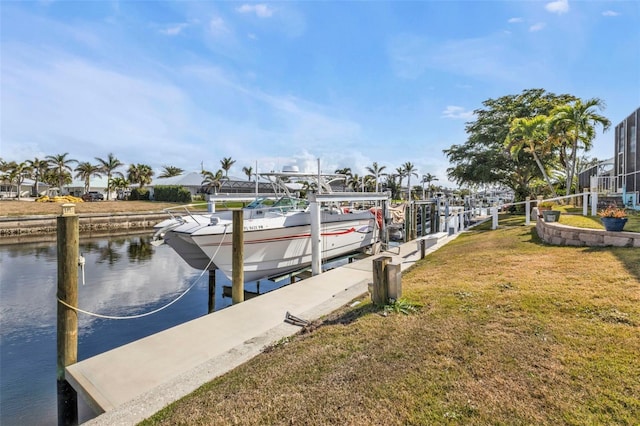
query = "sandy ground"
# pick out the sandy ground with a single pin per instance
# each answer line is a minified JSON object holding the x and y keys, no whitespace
{"x":30,"y":208}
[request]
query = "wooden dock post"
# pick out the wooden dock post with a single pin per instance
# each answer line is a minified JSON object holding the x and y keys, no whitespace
{"x":380,"y":291}
{"x":237,"y":290}
{"x":394,"y":280}
{"x":67,"y":322}
{"x":212,"y":291}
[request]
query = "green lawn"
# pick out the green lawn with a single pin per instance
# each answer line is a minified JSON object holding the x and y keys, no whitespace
{"x":572,"y":216}
{"x":511,"y":332}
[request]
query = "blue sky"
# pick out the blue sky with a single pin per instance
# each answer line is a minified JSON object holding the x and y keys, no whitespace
{"x":284,"y":83}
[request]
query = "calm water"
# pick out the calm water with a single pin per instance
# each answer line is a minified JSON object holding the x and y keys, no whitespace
{"x":123,"y":276}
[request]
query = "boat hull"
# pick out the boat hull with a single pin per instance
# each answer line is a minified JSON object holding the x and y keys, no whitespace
{"x":273,"y":247}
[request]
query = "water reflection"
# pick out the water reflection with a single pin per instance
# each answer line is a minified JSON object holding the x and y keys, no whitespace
{"x":124,"y":276}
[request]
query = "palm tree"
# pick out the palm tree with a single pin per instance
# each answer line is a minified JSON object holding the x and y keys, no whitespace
{"x":346,"y":171}
{"x":391,"y":185}
{"x":531,"y":135}
{"x":86,"y":171}
{"x":376,"y":171}
{"x":38,"y":168}
{"x":356,"y":183}
{"x":108,"y":166}
{"x":409,"y":170}
{"x":140,"y":174}
{"x":170,"y":171}
{"x":61,"y":167}
{"x":118,"y":184}
{"x":212,"y":180}
{"x":226,"y":164}
{"x":248,"y":171}
{"x":428,"y":178}
{"x":577,"y":121}
{"x":17,"y":173}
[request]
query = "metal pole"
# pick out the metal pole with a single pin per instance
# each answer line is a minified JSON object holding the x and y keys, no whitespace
{"x":237,"y":265}
{"x":67,"y":322}
{"x":316,"y":241}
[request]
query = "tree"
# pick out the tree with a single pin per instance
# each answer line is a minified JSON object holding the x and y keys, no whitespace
{"x":531,"y":134}
{"x":108,"y":166}
{"x":575,"y":123}
{"x":483,"y":160}
{"x":16,"y":174}
{"x":212,"y":180}
{"x":428,"y":178}
{"x":390,"y":184}
{"x":376,"y":172}
{"x":409,"y":170}
{"x":346,"y":171}
{"x":248,"y":171}
{"x":86,"y":171}
{"x":38,"y":170}
{"x":61,"y":168}
{"x":118,"y":184}
{"x":170,"y":171}
{"x":140,"y":174}
{"x":226,"y":164}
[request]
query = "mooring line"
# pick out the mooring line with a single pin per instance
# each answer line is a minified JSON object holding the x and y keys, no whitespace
{"x":93,"y":314}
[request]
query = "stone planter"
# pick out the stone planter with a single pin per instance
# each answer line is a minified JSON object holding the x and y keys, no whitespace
{"x":551,"y":215}
{"x":615,"y":224}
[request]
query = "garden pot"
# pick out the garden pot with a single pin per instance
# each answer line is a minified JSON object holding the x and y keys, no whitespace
{"x":551,"y":215}
{"x":615,"y":224}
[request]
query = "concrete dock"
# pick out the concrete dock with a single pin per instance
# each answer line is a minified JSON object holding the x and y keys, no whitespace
{"x":134,"y":381}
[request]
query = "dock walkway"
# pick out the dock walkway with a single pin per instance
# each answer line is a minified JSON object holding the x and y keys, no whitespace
{"x":134,"y":381}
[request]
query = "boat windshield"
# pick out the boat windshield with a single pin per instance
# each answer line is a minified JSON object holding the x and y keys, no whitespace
{"x":288,"y":203}
{"x":258,"y":203}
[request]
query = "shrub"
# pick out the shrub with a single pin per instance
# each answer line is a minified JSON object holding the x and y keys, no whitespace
{"x":172,"y":193}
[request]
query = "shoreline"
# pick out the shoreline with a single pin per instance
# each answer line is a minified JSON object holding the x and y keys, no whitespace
{"x":23,"y":229}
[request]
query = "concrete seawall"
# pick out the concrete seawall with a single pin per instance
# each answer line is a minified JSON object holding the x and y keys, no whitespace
{"x":12,"y":228}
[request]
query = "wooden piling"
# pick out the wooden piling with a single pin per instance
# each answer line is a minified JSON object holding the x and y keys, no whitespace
{"x":380,"y":290}
{"x":237,"y":291}
{"x":394,"y":280}
{"x":67,"y":320}
{"x":212,"y":291}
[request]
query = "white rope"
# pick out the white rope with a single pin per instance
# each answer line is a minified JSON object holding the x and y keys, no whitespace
{"x":93,"y":314}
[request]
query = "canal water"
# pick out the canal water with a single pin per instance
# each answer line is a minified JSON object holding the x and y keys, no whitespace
{"x":124,"y":276}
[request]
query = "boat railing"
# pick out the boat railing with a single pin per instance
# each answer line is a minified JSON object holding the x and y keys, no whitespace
{"x":191,"y":210}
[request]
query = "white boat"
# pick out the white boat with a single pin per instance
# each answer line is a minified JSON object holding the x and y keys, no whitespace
{"x":277,"y":239}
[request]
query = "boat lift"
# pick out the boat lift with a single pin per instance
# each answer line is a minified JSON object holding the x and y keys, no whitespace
{"x":314,"y":203}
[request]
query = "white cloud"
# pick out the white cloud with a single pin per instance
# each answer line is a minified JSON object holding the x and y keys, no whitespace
{"x":457,"y":112}
{"x":261,"y":10}
{"x":174,"y":29}
{"x":493,"y":57}
{"x":610,"y":13}
{"x":558,"y":6}
{"x":218,"y":26}
{"x":537,"y":27}
{"x":515,"y":20}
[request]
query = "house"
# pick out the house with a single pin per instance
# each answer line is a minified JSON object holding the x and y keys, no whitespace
{"x":627,"y":160}
{"x":618,"y":178}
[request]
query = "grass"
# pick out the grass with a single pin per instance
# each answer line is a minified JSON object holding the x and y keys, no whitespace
{"x":509,"y":331}
{"x":14,"y":208}
{"x":575,"y":218}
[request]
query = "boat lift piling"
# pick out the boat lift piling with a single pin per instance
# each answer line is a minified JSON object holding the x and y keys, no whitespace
{"x":237,"y":293}
{"x":314,"y":204}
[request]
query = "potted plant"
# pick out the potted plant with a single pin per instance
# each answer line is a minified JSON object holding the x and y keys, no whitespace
{"x":545,"y":211}
{"x":613,"y":218}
